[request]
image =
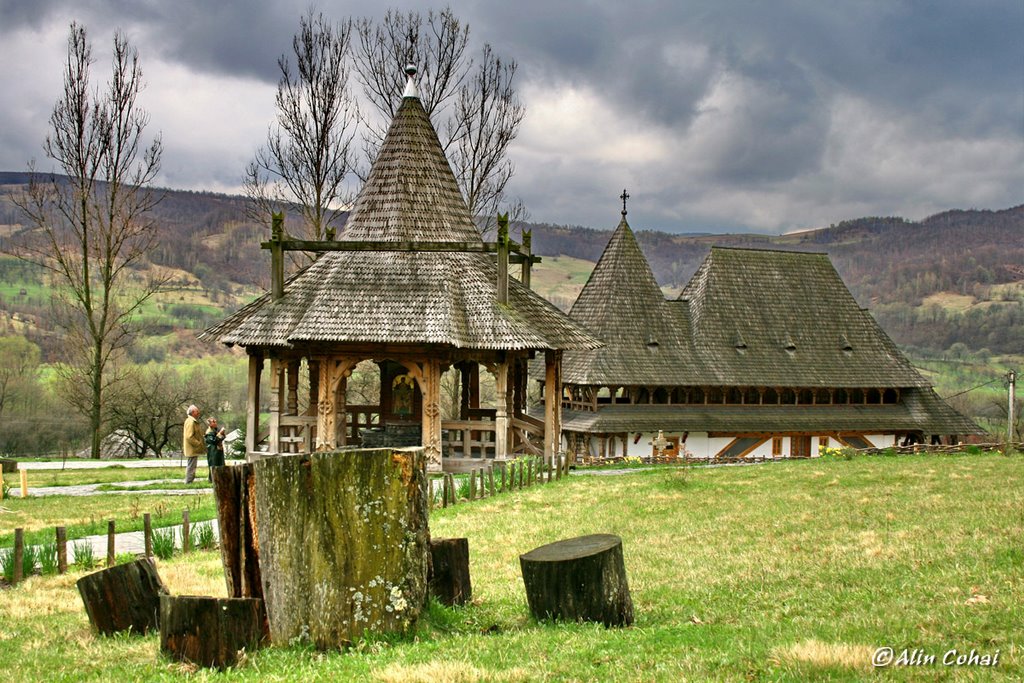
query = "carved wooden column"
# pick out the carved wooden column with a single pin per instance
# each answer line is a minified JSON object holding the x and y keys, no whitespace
{"x":552,"y":404}
{"x":333,"y":373}
{"x":501,"y":414}
{"x":340,"y":401}
{"x":276,"y":389}
{"x":293,"y":387}
{"x":430,"y":388}
{"x":252,"y":405}
{"x":325,"y":414}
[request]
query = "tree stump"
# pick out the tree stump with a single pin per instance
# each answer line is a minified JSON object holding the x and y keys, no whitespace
{"x":125,"y":597}
{"x":344,"y":544}
{"x":449,"y":570}
{"x":209,"y":631}
{"x":578,"y":579}
{"x":234,"y":490}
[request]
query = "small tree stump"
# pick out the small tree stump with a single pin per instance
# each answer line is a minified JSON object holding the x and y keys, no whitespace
{"x":449,"y":571}
{"x":210,"y":631}
{"x":578,"y":579}
{"x":125,"y":597}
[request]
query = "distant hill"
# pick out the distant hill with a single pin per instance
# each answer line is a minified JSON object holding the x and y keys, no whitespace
{"x":957,"y":276}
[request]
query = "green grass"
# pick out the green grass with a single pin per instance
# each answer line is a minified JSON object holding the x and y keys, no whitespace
{"x":101,"y":475}
{"x":88,"y":515}
{"x":788,"y":571}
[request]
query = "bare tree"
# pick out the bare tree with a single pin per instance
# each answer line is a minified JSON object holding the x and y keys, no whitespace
{"x":308,"y":151}
{"x":473,"y":105}
{"x":485,"y":121}
{"x":151,"y":408}
{"x":88,"y":227}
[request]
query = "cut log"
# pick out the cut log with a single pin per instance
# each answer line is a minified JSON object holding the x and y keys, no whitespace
{"x":344,"y":544}
{"x":449,"y":570}
{"x":578,"y":579}
{"x":210,"y":632}
{"x":125,"y":597}
{"x":234,"y":490}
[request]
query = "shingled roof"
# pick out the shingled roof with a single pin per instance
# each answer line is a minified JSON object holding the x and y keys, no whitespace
{"x":783,"y":318}
{"x":646,"y":337}
{"x":403,"y":296}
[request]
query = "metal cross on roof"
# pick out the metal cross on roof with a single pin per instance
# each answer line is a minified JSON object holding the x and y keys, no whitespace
{"x":624,"y":196}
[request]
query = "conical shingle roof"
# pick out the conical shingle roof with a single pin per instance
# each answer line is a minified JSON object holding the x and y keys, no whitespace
{"x":411,"y":193}
{"x":428,"y":297}
{"x":645,"y":338}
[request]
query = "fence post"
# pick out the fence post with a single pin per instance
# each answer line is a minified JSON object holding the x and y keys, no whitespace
{"x":147,"y":534}
{"x":490,"y":478}
{"x":19,"y":555}
{"x":62,"y":550}
{"x":24,"y":483}
{"x":472,"y":484}
{"x":110,"y":543}
{"x":451,"y":487}
{"x":185,"y":542}
{"x":504,"y":481}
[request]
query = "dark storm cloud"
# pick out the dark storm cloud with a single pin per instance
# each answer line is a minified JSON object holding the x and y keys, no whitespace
{"x":769,"y":113}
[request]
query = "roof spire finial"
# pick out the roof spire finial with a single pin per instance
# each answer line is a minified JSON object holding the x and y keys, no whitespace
{"x":624,"y":196}
{"x":410,"y":84}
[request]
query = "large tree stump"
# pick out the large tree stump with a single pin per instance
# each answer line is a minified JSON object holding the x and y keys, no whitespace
{"x":449,"y":570}
{"x":125,"y":597}
{"x":209,"y":631}
{"x":234,"y":490}
{"x":344,"y":544}
{"x":578,"y":579}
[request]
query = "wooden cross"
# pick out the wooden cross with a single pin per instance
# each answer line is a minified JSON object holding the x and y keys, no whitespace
{"x":660,"y":443}
{"x":624,"y":196}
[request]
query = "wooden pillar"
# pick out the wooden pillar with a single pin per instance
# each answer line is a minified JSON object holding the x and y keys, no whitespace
{"x":293,"y":387}
{"x":464,"y":376}
{"x":326,"y":432}
{"x":501,"y":414}
{"x":314,"y":385}
{"x":276,"y":389}
{"x":552,"y":404}
{"x":252,"y":408}
{"x":527,"y":258}
{"x":277,"y":256}
{"x":429,"y":381}
{"x":341,"y":422}
{"x":503,"y":246}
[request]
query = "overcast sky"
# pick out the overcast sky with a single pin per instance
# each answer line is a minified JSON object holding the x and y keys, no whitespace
{"x":717,"y":116}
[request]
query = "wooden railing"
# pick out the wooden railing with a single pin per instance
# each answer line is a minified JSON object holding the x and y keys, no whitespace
{"x":358,"y":418}
{"x":527,"y":435}
{"x":469,"y":438}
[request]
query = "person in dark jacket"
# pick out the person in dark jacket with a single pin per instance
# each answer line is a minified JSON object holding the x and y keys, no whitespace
{"x":214,"y":446}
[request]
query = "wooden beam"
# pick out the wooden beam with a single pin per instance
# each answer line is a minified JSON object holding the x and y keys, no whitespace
{"x":518,"y":254}
{"x":252,"y":407}
{"x":552,"y":405}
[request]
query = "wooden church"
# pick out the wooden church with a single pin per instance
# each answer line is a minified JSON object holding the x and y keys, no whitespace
{"x":410,"y":285}
{"x":765,"y":354}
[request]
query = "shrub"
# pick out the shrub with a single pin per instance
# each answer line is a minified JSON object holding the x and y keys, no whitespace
{"x":204,"y":538}
{"x":163,"y":543}
{"x":85,"y":558}
{"x":29,"y":560}
{"x":48,"y":558}
{"x":7,"y":564}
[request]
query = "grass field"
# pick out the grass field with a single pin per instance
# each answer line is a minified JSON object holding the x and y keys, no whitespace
{"x":785,"y":571}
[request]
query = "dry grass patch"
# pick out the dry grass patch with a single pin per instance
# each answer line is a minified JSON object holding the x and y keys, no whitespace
{"x":825,"y":655}
{"x":440,"y":671}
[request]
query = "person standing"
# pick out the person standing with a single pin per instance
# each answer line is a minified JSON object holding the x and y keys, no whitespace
{"x":214,"y":446}
{"x":192,"y":442}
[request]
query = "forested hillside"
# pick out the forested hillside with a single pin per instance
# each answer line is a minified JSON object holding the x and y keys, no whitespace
{"x":956,"y":277}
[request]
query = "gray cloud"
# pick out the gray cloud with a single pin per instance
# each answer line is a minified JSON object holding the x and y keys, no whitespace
{"x":717,"y":115}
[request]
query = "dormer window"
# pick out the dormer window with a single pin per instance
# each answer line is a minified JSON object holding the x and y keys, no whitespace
{"x":739,"y":344}
{"x":845,"y":345}
{"x":789,"y":345}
